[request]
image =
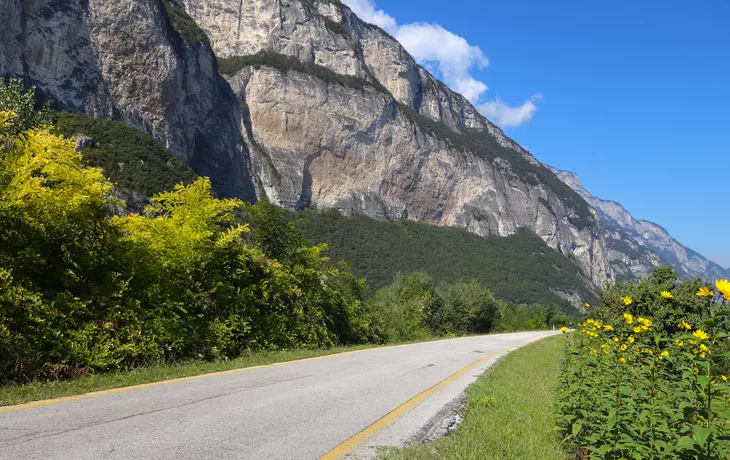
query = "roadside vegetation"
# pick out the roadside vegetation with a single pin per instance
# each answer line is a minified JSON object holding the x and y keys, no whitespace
{"x":509,"y":412}
{"x":86,"y":289}
{"x":646,"y":376}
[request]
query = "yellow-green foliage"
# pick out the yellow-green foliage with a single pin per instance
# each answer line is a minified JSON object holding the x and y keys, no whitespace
{"x":82,"y":290}
{"x":636,"y":387}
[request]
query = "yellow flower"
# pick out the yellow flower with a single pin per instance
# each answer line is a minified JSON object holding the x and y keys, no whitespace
{"x":587,"y":305}
{"x":700,"y":334}
{"x":692,"y":342}
{"x":724,"y":287}
{"x":667,"y":295}
{"x":624,"y":347}
{"x":628,"y":317}
{"x":615,"y":339}
{"x":702,"y":355}
{"x":664,"y":354}
{"x":622,"y":360}
{"x":705,"y":292}
{"x":724,"y":378}
{"x":679,"y":343}
{"x":646,"y":322}
{"x":631,"y":339}
{"x":627,"y":300}
{"x":608,"y":328}
{"x":703,"y":347}
{"x":684,"y":325}
{"x":563,"y":329}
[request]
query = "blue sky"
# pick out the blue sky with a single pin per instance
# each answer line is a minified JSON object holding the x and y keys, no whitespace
{"x":632,"y":96}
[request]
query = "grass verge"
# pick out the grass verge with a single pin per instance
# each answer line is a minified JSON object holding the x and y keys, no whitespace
{"x":509,"y":412}
{"x":19,"y":394}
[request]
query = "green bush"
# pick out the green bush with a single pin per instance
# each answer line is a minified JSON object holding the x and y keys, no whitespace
{"x":83,"y":290}
{"x":402,"y":309}
{"x":14,"y":97}
{"x":465,"y":308}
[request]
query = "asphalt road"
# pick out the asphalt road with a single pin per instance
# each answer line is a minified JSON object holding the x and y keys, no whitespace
{"x":297,"y":410}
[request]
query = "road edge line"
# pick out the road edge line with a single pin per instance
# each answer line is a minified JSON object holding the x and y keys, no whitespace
{"x":388,"y":420}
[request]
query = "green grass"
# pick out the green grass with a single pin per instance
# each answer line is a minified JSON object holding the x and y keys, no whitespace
{"x":18,"y":394}
{"x":509,"y":413}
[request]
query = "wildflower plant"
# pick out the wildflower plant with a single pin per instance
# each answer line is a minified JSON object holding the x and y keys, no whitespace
{"x":632,"y":390}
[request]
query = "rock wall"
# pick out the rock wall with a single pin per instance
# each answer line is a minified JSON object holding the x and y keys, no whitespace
{"x":300,"y":139}
{"x":322,"y":144}
{"x":122,"y":59}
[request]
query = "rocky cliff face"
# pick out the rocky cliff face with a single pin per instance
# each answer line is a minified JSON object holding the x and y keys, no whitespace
{"x":361,"y":127}
{"x":635,"y":247}
{"x":397,"y":145}
{"x":122,"y":59}
{"x":329,"y":34}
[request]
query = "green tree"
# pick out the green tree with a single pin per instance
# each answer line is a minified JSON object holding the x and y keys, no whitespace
{"x":402,"y":308}
{"x":465,"y":308}
{"x":14,"y":98}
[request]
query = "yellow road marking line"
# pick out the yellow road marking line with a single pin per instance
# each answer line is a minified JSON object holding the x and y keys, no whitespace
{"x":48,"y":402}
{"x":352,"y":444}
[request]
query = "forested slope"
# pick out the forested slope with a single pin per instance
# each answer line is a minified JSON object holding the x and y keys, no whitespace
{"x":520,"y":268}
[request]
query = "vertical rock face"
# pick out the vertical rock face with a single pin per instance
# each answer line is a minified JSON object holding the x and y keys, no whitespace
{"x":635,"y":247}
{"x":389,"y":140}
{"x":376,"y":150}
{"x":331,"y":35}
{"x":322,"y":144}
{"x":121,"y":59}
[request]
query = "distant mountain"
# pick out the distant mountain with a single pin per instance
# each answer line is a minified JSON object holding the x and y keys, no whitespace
{"x":635,"y":246}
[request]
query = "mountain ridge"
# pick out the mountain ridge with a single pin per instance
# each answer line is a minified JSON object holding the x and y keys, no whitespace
{"x":619,"y":225}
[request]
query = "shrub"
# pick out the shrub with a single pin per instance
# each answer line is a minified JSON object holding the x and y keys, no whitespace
{"x":465,"y":308}
{"x":638,"y":387}
{"x":401,"y":310}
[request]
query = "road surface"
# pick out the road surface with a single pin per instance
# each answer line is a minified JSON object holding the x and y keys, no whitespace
{"x":329,"y":406}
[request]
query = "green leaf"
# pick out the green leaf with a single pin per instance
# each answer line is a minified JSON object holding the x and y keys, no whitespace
{"x":701,"y":434}
{"x":576,"y":429}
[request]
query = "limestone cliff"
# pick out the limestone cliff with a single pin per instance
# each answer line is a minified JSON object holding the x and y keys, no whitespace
{"x":358,"y":125}
{"x":398,"y":144}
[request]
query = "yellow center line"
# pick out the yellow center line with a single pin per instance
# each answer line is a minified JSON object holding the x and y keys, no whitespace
{"x":352,"y":444}
{"x":48,"y":402}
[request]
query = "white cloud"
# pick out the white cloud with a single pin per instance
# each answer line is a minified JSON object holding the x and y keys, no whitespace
{"x":450,"y":54}
{"x":449,"y":57}
{"x":365,"y":10}
{"x":509,"y":117}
